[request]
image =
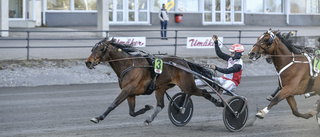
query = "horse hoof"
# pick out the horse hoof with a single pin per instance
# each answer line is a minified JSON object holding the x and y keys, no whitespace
{"x":312,"y":113}
{"x":95,"y":120}
{"x":149,"y":107}
{"x":146,"y":122}
{"x":260,"y":115}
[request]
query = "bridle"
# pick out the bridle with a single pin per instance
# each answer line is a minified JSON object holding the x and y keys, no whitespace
{"x":269,"y":43}
{"x":104,"y":51}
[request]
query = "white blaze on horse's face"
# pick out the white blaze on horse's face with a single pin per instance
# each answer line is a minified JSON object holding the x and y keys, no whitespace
{"x":261,"y":37}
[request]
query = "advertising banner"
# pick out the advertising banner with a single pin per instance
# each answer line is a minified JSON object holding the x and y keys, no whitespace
{"x":135,"y":41}
{"x":202,"y":42}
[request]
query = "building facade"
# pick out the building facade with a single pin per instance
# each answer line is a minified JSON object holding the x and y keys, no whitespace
{"x":32,"y":13}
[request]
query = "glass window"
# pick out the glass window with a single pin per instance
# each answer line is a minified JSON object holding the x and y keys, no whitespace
{"x":314,"y":6}
{"x":237,"y":17}
{"x":218,"y":5}
{"x":228,"y":5}
{"x":237,"y":5}
{"x":143,"y":16}
{"x":207,"y":5}
{"x":274,"y":6}
{"x":119,"y":16}
{"x":208,"y":17}
{"x":218,"y":17}
{"x":15,"y":9}
{"x":131,"y":5}
{"x":319,"y":6}
{"x":110,"y":16}
{"x":110,"y":10}
{"x":169,"y":5}
{"x":131,"y":16}
{"x":188,"y":6}
{"x":119,"y":4}
{"x":85,"y":4}
{"x":58,"y":4}
{"x":143,"y":4}
{"x":254,"y":5}
{"x":298,"y":6}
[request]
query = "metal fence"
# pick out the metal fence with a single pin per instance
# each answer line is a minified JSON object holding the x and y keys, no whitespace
{"x":177,"y":38}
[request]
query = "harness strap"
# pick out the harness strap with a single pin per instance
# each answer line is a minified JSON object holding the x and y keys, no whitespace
{"x":291,"y":63}
{"x":130,"y":68}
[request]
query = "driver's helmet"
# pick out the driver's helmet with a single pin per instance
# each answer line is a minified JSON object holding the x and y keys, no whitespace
{"x":237,"y":48}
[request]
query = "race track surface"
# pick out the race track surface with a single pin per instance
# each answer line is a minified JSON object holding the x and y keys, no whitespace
{"x":53,"y":111}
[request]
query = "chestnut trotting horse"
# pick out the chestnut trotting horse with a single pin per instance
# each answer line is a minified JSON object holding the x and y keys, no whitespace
{"x":294,"y":72}
{"x":135,"y":75}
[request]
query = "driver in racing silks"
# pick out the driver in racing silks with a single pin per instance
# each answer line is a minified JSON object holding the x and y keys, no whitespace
{"x":232,"y":74}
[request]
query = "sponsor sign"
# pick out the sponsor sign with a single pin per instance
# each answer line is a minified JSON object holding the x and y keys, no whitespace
{"x":135,"y":41}
{"x":202,"y":42}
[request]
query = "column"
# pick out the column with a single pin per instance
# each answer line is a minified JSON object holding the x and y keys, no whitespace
{"x":103,"y":17}
{"x":4,"y":22}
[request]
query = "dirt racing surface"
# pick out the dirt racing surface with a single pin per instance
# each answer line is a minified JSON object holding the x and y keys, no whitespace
{"x":66,"y":110}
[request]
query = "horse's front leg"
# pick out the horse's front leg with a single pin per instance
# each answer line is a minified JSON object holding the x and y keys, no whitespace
{"x":160,"y":105}
{"x":121,"y":97}
{"x":293,"y":104}
{"x":283,"y":93}
{"x":131,"y":102}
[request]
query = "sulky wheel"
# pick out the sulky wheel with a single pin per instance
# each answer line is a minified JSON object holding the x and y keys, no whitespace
{"x":232,"y":122}
{"x":175,"y":113}
{"x":318,"y":113}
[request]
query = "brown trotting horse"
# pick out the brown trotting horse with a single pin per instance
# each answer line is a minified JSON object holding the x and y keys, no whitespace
{"x":294,"y":71}
{"x":135,"y":74}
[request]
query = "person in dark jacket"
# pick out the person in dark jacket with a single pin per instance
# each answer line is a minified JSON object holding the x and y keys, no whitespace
{"x":232,"y":74}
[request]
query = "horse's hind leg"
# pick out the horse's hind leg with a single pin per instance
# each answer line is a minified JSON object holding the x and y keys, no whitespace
{"x":293,"y":104}
{"x":131,"y":102}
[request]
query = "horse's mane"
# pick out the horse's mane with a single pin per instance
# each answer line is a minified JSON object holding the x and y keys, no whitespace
{"x":124,"y":47}
{"x":285,"y":39}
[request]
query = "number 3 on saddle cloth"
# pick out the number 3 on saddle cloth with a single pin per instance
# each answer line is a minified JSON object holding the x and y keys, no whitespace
{"x":158,"y":65}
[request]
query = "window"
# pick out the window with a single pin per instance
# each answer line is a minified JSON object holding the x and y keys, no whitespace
{"x":15,"y":9}
{"x":82,"y":5}
{"x":58,"y":4}
{"x":265,"y":6}
{"x":85,"y":5}
{"x":274,"y":6}
{"x":305,"y":6}
{"x":254,"y":6}
{"x":207,"y":5}
{"x":188,"y":6}
{"x":169,"y":5}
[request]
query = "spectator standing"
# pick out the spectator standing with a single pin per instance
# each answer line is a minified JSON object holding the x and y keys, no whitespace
{"x":164,"y":18}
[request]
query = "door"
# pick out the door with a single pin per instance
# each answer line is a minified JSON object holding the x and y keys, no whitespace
{"x":129,"y":11}
{"x":138,"y":11}
{"x":223,"y":12}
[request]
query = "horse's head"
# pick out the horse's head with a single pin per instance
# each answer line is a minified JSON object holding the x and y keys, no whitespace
{"x":265,"y":44}
{"x":99,"y":53}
